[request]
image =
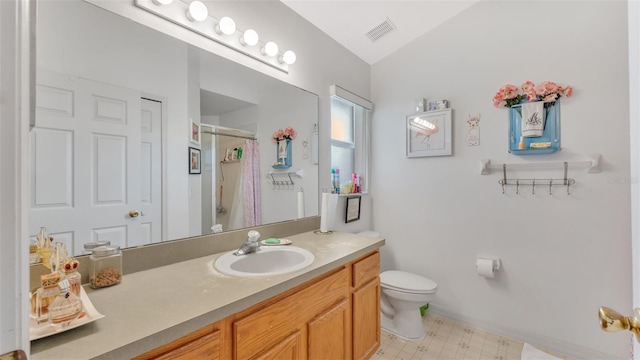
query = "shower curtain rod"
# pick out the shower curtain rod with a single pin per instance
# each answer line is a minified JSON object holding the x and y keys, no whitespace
{"x":235,"y":136}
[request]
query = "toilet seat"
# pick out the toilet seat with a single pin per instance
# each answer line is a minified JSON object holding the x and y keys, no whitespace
{"x":407,"y":282}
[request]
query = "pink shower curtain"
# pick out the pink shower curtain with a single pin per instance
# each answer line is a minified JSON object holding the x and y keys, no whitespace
{"x":251,"y":184}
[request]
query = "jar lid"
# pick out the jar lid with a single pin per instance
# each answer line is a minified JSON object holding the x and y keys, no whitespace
{"x":106,"y":250}
{"x":95,"y":244}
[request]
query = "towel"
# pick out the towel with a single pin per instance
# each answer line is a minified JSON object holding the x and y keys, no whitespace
{"x":532,"y":119}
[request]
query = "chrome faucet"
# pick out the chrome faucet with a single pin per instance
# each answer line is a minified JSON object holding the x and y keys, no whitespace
{"x":251,"y":245}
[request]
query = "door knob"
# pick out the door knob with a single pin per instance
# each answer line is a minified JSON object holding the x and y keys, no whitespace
{"x":133,"y":213}
{"x":611,"y":320}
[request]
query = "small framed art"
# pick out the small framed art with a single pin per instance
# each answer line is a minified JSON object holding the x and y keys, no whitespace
{"x":429,"y":134}
{"x":194,"y":161}
{"x":195,"y":133}
{"x":353,"y":208}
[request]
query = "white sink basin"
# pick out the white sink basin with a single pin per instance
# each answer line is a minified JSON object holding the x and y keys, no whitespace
{"x":268,"y":261}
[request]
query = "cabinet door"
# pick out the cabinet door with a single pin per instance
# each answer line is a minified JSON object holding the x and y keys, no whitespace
{"x":330,"y":333}
{"x":366,"y":320}
{"x":288,"y":349}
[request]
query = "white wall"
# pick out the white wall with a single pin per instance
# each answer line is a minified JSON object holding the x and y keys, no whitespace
{"x":563,"y":256}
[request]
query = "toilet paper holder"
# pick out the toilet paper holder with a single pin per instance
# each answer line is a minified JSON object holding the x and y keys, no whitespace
{"x":495,"y":264}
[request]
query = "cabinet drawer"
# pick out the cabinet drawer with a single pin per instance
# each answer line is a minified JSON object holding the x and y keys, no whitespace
{"x":200,"y":344}
{"x":365,"y":269}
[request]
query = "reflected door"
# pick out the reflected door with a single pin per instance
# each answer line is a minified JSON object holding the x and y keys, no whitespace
{"x":90,"y":153}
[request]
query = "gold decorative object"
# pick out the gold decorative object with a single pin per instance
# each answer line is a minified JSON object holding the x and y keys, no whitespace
{"x":611,"y":320}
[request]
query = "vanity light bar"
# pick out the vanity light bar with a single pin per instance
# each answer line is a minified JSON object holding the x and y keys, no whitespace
{"x":222,"y":31}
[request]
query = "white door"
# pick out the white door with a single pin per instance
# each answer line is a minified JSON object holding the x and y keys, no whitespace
{"x":88,"y":159}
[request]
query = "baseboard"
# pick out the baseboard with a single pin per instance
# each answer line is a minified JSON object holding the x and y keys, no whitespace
{"x":536,"y":340}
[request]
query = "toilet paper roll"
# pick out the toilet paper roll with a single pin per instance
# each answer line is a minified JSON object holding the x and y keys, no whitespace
{"x":324,"y":216}
{"x":486,"y":268}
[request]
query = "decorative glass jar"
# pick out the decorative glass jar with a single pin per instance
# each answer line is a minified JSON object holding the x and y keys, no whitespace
{"x":106,"y":266}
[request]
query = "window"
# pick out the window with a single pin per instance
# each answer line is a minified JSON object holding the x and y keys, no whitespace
{"x":350,"y":136}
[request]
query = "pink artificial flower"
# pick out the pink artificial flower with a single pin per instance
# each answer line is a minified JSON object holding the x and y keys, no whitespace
{"x":290,"y":133}
{"x":531,"y":95}
{"x":278,"y":135}
{"x":508,"y":92}
{"x":568,"y":91}
{"x":546,"y":87}
{"x":551,"y":97}
{"x":528,"y":87}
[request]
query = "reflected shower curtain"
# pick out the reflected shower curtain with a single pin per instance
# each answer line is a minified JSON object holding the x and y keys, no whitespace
{"x":246,"y":210}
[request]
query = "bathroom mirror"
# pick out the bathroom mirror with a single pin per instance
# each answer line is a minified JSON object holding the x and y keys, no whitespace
{"x":119,"y":108}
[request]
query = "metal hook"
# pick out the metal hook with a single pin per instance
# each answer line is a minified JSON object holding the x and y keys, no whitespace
{"x":502,"y":183}
{"x":550,"y":184}
{"x":517,"y":186}
{"x":533,"y":188}
{"x":568,"y":185}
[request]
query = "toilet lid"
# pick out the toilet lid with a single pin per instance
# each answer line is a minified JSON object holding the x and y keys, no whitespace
{"x":404,"y":281}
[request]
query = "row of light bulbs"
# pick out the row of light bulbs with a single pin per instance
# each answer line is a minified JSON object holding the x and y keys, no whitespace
{"x":226,"y":26}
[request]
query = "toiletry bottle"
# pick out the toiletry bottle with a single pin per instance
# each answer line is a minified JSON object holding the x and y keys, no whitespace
{"x":354,"y":181}
{"x":337,"y":181}
{"x":66,"y":307}
{"x":46,"y":295}
{"x":521,"y":144}
{"x":333,"y":180}
{"x":71,"y":274}
{"x":239,"y":153}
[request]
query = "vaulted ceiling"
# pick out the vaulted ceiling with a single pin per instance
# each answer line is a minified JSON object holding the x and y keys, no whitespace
{"x":395,"y":23}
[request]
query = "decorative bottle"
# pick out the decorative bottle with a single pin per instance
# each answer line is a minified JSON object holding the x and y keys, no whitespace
{"x":46,"y":295}
{"x":66,"y":307}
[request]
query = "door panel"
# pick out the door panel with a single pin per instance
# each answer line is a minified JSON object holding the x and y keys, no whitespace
{"x":90,"y":161}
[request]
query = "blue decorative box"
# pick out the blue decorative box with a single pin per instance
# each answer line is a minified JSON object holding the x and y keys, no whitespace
{"x":551,"y":133}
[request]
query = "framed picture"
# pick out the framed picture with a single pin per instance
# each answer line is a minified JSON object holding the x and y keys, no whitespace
{"x":429,"y":134}
{"x":353,"y":208}
{"x":194,"y":161}
{"x":195,"y":133}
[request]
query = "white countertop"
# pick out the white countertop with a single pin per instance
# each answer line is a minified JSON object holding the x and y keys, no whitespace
{"x":153,"y":307}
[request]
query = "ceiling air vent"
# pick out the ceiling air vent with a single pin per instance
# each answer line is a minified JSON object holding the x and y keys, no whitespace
{"x":381,"y":30}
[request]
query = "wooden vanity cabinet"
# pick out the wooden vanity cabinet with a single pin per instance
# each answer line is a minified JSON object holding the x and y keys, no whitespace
{"x":365,"y":302}
{"x":334,"y":316}
{"x":306,"y":317}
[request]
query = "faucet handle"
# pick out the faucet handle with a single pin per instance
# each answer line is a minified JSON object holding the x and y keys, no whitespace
{"x":253,"y":236}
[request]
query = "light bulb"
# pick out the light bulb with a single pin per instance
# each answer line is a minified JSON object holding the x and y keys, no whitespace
{"x":226,"y":26}
{"x":162,"y":2}
{"x":197,"y":11}
{"x":249,"y":37}
{"x":289,"y":57}
{"x":270,"y":49}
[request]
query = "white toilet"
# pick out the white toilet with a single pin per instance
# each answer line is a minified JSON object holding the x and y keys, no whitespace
{"x":402,"y":295}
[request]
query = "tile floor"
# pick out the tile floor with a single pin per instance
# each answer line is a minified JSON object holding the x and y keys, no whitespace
{"x":449,"y":339}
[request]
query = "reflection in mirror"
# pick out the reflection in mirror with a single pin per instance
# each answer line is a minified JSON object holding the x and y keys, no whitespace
{"x":230,"y":156}
{"x":115,"y":102}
